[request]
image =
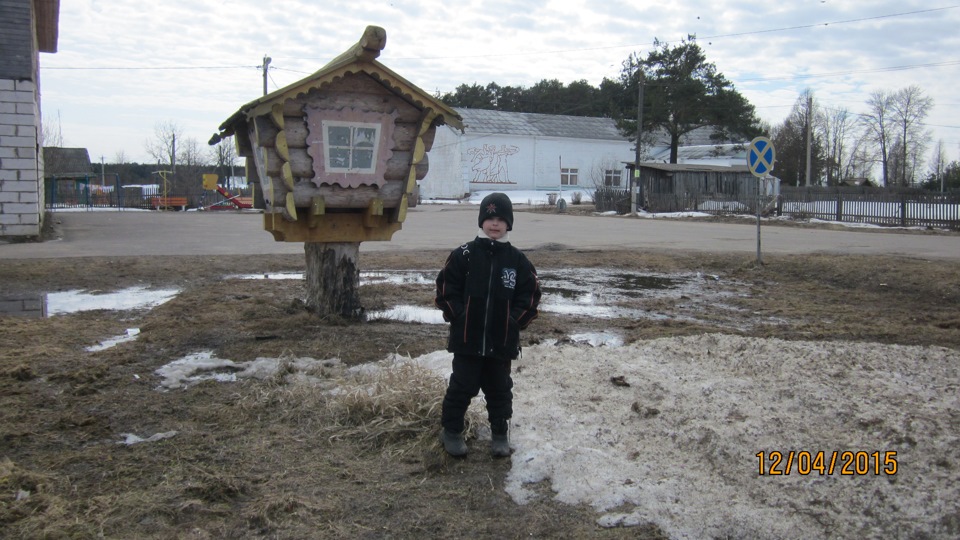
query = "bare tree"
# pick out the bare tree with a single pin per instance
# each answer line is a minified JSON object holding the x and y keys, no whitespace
{"x":190,"y":153}
{"x":938,"y":163}
{"x":191,"y":161}
{"x":120,"y":158}
{"x":879,"y":127}
{"x":163,"y":146}
{"x":862,"y":158}
{"x":790,"y":139}
{"x":224,"y":157}
{"x":836,"y":130}
{"x":910,"y":107}
{"x":51,"y":133}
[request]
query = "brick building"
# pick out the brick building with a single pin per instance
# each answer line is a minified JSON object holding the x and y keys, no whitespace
{"x":27,"y":28}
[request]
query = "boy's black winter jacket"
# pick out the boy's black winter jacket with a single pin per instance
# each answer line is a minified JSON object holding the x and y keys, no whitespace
{"x":488,"y":291}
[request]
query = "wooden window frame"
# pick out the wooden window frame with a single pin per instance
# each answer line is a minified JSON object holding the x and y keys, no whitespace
{"x":569,"y":176}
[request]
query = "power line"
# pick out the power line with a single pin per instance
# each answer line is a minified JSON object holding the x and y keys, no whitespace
{"x":148,"y":68}
{"x":852,"y":71}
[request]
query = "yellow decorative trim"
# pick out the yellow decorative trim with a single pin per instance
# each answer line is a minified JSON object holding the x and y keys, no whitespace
{"x":291,"y":207}
{"x":318,"y":207}
{"x":419,"y":150}
{"x":401,"y":214}
{"x":281,"y":145}
{"x":286,"y":174}
{"x":276,"y":115}
{"x":331,"y":228}
{"x":374,"y":212}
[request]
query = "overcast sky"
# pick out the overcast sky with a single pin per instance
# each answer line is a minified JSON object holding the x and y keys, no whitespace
{"x":125,"y":66}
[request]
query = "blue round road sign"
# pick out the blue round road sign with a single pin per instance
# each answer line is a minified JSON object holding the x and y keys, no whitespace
{"x":761,"y":157}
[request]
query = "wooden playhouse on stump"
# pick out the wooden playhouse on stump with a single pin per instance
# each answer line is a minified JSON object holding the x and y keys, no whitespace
{"x":335,"y":159}
{"x":336,"y":156}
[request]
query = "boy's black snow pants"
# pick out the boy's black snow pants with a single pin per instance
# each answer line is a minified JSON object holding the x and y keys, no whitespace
{"x":470,"y":375}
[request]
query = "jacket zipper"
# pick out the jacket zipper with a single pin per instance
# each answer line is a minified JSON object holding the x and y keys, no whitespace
{"x":506,"y":326}
{"x":486,"y":312}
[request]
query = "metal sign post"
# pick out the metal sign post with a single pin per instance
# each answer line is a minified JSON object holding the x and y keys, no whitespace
{"x":760,"y":160}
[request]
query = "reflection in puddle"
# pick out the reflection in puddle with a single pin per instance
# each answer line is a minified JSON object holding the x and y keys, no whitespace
{"x":131,"y":298}
{"x":588,"y":305}
{"x":597,"y":292}
{"x":23,"y":306}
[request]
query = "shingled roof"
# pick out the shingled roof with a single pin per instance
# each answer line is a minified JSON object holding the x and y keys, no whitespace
{"x":66,"y":162}
{"x":539,"y":125}
{"x":360,"y":58}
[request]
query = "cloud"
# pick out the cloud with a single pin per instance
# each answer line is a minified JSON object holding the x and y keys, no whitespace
{"x":771,"y":51}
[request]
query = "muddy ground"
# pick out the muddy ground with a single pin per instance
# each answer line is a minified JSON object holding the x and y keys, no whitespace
{"x":275,"y":460}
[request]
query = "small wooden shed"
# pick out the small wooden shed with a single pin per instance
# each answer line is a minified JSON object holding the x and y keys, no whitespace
{"x":696,"y":179}
{"x":336,"y":156}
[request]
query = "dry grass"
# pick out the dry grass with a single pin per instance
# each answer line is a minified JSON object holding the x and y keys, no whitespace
{"x":287,"y":458}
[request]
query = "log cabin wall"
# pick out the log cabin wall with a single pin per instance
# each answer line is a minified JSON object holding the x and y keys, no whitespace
{"x":286,"y":162}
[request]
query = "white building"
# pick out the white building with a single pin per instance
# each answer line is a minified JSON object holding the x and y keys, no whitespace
{"x":507,"y":151}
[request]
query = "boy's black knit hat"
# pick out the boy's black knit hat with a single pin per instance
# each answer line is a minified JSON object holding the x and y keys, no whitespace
{"x":496,"y":205}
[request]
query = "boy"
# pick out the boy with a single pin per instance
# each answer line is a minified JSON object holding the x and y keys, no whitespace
{"x":488,"y":291}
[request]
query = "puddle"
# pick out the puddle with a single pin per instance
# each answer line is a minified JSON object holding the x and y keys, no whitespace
{"x":597,"y":292}
{"x":125,"y":299}
{"x":206,"y":366}
{"x":401,"y":277}
{"x":598,"y":339}
{"x":58,"y":303}
{"x":607,"y":283}
{"x":411,"y":314}
{"x":131,"y":335}
{"x":269,"y":276}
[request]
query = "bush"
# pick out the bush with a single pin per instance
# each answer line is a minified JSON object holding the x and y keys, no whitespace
{"x":576,"y":197}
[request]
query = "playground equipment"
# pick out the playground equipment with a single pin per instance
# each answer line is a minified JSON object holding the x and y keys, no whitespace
{"x":232,"y":202}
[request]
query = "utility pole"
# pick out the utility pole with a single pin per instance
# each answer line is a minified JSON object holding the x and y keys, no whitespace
{"x":266,"y":67}
{"x":636,"y":170}
{"x":809,"y":133}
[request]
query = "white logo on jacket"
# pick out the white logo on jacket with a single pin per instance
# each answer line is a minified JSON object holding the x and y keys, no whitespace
{"x":509,"y":276}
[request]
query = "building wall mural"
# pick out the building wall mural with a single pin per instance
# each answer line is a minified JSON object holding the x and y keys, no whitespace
{"x":489,"y":163}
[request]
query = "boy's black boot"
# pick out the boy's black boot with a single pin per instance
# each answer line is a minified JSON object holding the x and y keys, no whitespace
{"x":500,"y":445}
{"x":453,"y":443}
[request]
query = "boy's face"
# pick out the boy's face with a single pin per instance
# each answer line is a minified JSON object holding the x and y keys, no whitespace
{"x":494,"y":228}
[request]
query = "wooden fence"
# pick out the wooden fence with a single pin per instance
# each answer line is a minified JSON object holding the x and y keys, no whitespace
{"x":890,"y":207}
{"x":902,"y":208}
{"x":876,"y":206}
